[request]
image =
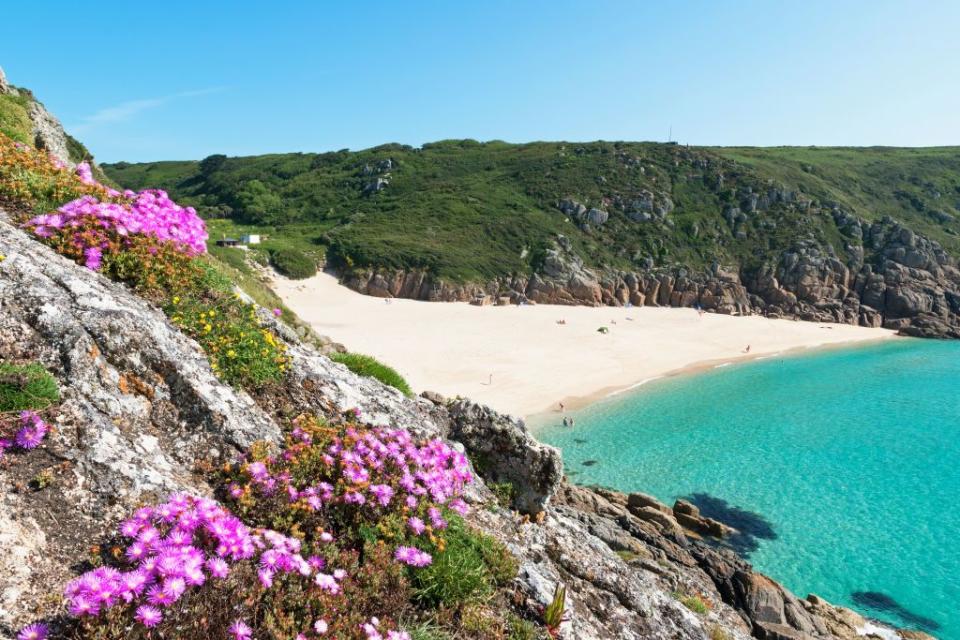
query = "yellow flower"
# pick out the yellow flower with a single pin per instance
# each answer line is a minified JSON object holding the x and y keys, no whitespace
{"x":176,"y":299}
{"x":207,"y":328}
{"x":231,"y":354}
{"x":213,"y":313}
{"x":2,"y":257}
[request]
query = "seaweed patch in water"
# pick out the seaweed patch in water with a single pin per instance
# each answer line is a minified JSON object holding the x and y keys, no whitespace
{"x":882,"y":602}
{"x":751,"y":527}
{"x":589,"y":463}
{"x":580,"y":440}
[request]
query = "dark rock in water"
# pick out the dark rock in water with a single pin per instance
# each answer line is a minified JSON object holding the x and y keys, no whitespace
{"x":882,"y":602}
{"x":750,"y":527}
{"x":589,"y":463}
{"x":580,"y":440}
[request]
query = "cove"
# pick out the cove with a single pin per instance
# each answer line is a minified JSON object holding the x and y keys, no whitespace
{"x":841,"y":468}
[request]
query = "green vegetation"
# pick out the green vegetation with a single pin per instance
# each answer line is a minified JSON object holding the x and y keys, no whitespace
{"x":693,"y":602}
{"x":26,"y":387}
{"x":293,"y":263}
{"x":469,"y":211}
{"x":14,"y":119}
{"x":368,"y":366}
{"x":471,"y":567}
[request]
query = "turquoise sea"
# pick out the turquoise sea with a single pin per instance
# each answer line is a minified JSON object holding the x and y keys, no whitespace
{"x":841,"y":467}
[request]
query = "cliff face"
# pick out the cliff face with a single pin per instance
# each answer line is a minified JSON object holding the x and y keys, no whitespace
{"x":142,"y":414}
{"x":895,"y":278}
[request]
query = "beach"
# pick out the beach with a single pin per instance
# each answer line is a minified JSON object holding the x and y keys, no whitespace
{"x":519,"y":360}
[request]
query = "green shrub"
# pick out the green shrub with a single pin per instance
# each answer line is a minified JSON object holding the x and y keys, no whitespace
{"x":470,"y":567}
{"x":14,"y":120}
{"x":27,"y":386}
{"x":695,"y":603}
{"x":370,"y":367}
{"x":520,"y":629}
{"x":427,"y":631}
{"x":503,"y":491}
{"x":293,"y":263}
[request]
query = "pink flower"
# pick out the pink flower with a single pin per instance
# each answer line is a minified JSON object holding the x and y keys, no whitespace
{"x":36,"y":631}
{"x":416,"y":525}
{"x":240,"y":630}
{"x":277,"y":312}
{"x":149,"y":616}
{"x":320,"y":626}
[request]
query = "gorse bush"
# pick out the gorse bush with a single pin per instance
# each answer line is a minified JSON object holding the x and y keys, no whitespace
{"x":368,"y":366}
{"x":293,"y":263}
{"x":240,"y":350}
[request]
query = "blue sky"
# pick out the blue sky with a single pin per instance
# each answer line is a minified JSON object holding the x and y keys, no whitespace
{"x":176,"y":80}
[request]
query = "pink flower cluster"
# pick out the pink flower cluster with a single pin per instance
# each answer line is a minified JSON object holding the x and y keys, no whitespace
{"x":151,"y":213}
{"x":372,"y":630}
{"x":84,"y":173}
{"x":379,"y":470}
{"x":31,"y":433}
{"x":175,"y":546}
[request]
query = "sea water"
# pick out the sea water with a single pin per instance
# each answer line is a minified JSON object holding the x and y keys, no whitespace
{"x":840,"y":467}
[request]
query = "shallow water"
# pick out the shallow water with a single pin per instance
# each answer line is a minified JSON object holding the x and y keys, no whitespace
{"x":841,"y":467}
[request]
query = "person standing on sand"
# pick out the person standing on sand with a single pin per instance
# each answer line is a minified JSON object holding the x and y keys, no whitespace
{"x":561,"y":407}
{"x":747,"y":350}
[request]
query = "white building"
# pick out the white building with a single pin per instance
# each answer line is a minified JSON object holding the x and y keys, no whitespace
{"x":250,"y":238}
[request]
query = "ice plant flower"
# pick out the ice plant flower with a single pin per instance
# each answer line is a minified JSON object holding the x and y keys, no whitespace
{"x":36,"y":631}
{"x":149,"y":616}
{"x":240,"y":630}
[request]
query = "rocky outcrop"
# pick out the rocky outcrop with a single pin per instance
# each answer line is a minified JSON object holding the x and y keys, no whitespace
{"x":895,"y":278}
{"x":504,"y":451}
{"x":48,"y":133}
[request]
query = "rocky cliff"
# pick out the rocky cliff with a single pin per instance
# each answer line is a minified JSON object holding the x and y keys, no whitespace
{"x":142,"y":415}
{"x":894,"y":278}
{"x":46,"y":132}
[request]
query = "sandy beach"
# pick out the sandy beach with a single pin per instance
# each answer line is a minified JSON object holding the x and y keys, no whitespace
{"x":520,"y":361}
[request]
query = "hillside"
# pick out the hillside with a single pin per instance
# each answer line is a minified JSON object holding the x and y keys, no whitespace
{"x":470,"y":211}
{"x":801,"y":232}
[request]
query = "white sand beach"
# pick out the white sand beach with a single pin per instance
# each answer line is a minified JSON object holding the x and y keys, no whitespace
{"x":520,"y":361}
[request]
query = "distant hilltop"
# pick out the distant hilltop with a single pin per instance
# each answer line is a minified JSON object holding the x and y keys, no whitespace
{"x":857,"y":235}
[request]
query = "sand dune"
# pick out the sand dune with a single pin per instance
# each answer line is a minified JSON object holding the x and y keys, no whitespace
{"x":519,"y":360}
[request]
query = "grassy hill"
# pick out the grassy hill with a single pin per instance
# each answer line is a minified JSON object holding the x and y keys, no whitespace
{"x":469,"y":211}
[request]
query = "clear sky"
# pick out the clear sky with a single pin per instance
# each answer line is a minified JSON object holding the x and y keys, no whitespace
{"x":176,"y":80}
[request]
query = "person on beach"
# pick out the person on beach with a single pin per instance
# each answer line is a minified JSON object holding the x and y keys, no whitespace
{"x":561,"y":407}
{"x":747,"y":350}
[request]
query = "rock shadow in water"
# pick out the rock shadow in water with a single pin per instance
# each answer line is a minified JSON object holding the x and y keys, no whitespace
{"x":881,"y":602}
{"x":751,"y":527}
{"x":589,"y":463}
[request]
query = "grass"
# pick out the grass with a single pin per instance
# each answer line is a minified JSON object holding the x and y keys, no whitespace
{"x":26,"y":387}
{"x":370,"y":367}
{"x":693,"y":602}
{"x":469,"y":211}
{"x":469,"y":569}
{"x":14,"y":118}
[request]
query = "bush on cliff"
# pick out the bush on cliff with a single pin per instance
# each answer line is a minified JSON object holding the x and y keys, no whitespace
{"x":368,"y":366}
{"x":293,"y":263}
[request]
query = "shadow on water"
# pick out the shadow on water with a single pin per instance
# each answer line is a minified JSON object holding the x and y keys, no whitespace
{"x":881,"y":602}
{"x":589,"y":463}
{"x":751,"y":527}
